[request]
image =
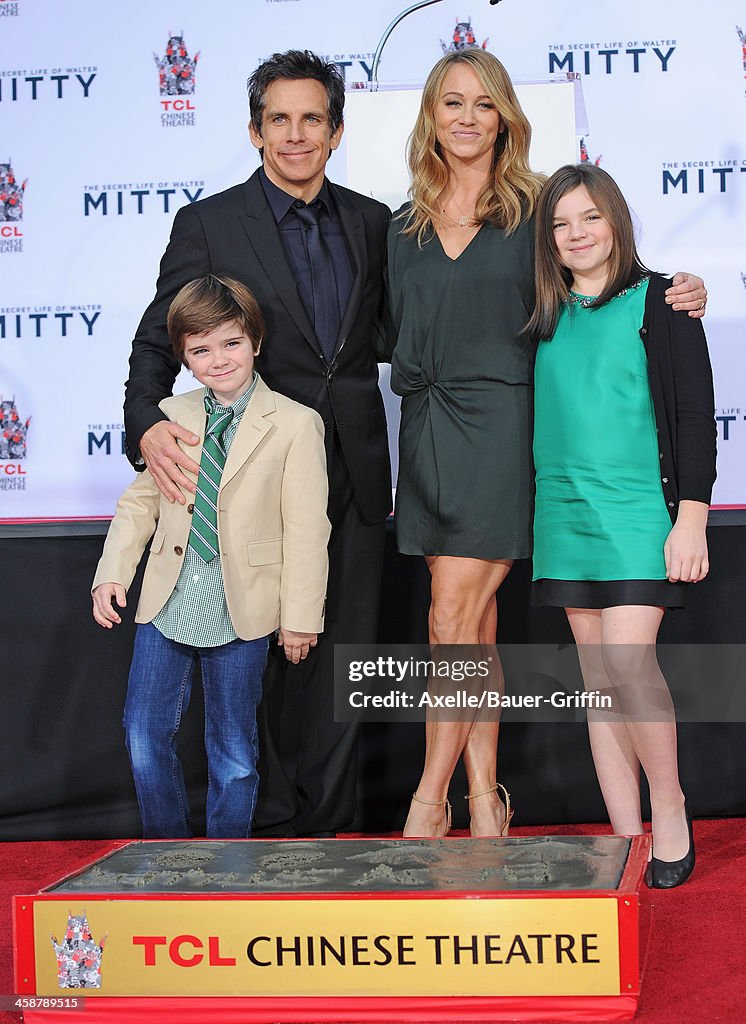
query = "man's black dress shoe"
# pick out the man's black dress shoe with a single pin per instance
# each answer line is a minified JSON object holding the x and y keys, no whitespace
{"x":667,"y":874}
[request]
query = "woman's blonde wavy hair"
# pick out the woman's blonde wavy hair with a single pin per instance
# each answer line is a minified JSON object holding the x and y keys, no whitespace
{"x":510,"y":195}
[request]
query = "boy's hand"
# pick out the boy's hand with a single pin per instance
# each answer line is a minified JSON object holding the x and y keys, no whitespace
{"x":103,"y":611}
{"x":165,"y":459}
{"x":297,"y":645}
{"x":688,"y":292}
{"x":685,"y":549}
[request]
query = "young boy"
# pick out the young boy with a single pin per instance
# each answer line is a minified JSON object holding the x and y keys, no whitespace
{"x":248,"y":556}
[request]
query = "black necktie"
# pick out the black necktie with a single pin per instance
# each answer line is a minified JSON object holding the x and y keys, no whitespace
{"x":323,"y":282}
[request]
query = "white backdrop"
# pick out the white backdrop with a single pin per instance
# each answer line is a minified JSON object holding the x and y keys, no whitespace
{"x":94,"y":162}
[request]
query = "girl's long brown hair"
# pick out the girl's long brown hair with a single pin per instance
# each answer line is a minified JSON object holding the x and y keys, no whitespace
{"x":553,"y":280}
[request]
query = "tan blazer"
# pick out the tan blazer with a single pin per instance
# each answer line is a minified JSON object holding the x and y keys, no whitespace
{"x":272,"y":523}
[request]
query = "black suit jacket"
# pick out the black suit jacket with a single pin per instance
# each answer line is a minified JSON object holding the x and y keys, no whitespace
{"x":235,"y":234}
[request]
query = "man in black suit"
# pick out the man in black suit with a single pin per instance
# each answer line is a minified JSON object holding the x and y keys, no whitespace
{"x":313,"y":255}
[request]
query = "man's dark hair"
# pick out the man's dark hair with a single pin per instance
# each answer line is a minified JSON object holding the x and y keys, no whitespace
{"x":297,"y":64}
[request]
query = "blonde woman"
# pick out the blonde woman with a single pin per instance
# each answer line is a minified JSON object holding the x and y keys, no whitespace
{"x":461,"y":288}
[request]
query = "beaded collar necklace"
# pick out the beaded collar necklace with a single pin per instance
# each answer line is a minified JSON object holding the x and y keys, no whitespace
{"x":574,"y":299}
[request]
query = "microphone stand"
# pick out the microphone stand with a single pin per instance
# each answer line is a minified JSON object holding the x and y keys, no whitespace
{"x":384,"y":38}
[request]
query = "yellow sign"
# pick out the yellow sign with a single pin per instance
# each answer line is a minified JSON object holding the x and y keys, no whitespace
{"x":335,"y":947}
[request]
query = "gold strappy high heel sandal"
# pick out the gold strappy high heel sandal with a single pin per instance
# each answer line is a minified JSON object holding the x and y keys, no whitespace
{"x":445,"y":804}
{"x":497,"y":788}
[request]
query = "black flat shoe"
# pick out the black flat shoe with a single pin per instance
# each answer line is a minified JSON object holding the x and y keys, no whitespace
{"x":667,"y":874}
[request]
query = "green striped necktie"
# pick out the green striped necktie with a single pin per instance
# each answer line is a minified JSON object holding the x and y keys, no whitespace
{"x":204,"y":534}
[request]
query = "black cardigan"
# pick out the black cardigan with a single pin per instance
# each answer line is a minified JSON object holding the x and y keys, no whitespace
{"x":680,"y":378}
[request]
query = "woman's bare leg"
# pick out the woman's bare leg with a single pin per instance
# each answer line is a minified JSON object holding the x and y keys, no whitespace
{"x":462,"y":611}
{"x":486,"y":808}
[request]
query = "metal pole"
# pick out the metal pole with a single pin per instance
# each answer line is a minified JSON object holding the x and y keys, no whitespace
{"x":387,"y":33}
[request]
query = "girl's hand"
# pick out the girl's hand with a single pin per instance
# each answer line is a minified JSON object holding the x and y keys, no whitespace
{"x":103,"y":609}
{"x":685,"y":550}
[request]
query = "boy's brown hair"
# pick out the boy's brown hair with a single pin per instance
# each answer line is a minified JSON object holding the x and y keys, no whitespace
{"x":208,"y":302}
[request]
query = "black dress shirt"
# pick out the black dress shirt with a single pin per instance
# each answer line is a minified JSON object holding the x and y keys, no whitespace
{"x":293,"y":238}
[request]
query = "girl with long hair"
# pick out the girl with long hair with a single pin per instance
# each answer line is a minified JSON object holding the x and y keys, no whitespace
{"x":624,"y":450}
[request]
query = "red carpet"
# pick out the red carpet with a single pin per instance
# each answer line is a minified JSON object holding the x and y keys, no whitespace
{"x":696,"y":967}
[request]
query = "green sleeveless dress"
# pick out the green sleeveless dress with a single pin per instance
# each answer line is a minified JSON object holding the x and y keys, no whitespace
{"x":601,"y":519}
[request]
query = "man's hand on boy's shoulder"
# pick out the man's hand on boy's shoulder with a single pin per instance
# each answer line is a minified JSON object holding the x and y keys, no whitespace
{"x":165,"y":459}
{"x":297,"y":645}
{"x":103,"y":609}
{"x":689,"y":293}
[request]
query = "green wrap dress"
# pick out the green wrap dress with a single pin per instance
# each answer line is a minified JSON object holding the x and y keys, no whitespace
{"x":464,"y":375}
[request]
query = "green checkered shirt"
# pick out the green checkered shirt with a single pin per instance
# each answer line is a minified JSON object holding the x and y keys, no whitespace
{"x":196,"y":612}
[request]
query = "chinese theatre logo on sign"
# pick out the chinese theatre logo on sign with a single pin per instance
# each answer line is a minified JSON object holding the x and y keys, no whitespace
{"x":78,"y":956}
{"x":585,"y":158}
{"x":176,"y":80}
{"x":11,"y":210}
{"x":176,"y":68}
{"x":11,"y":194}
{"x":463,"y":38}
{"x":13,"y":431}
{"x":13,"y":439}
{"x":9,"y":8}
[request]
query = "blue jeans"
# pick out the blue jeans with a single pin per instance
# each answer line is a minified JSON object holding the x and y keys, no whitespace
{"x":158,"y":692}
